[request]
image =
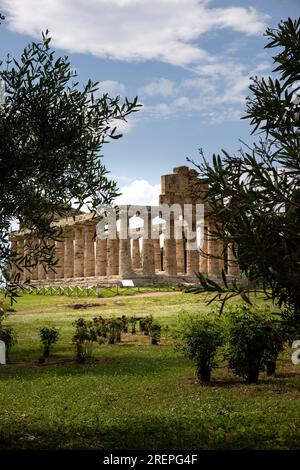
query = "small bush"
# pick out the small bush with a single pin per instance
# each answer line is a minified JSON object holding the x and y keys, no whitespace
{"x":276,"y":335}
{"x":110,"y":328}
{"x":7,"y":335}
{"x":145,"y":324}
{"x":254,"y":340}
{"x":200,"y":339}
{"x":49,"y":336}
{"x":83,"y":339}
{"x":155,"y":332}
{"x":133,"y":322}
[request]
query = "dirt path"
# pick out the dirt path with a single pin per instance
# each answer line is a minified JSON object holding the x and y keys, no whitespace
{"x":104,"y":301}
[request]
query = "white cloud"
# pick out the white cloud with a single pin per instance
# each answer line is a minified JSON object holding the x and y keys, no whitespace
{"x":216,"y":92}
{"x":139,"y":192}
{"x":245,"y":20}
{"x":112,"y":88}
{"x":164,"y":30}
{"x":201,"y":84}
{"x":222,"y":115}
{"x":158,"y":86}
{"x":123,"y":127}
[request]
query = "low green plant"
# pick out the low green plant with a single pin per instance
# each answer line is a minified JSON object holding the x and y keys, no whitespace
{"x":7,"y":334}
{"x":200,"y":337}
{"x":133,"y":322}
{"x":145,"y":324}
{"x":276,"y":335}
{"x":83,"y":339}
{"x":49,"y":336}
{"x":254,"y":341}
{"x":115,"y":326}
{"x":155,"y":332}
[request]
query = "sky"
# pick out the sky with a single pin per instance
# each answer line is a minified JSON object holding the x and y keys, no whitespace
{"x":188,"y":61}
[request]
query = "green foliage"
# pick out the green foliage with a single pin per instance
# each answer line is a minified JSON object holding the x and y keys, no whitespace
{"x":52,"y":132}
{"x":49,"y":336}
{"x":145,"y":324}
{"x":201,"y":336}
{"x":133,"y":321}
{"x":7,"y":334}
{"x":83,"y":339}
{"x":254,"y":196}
{"x":154,"y":330}
{"x":111,"y":328}
{"x":254,"y":340}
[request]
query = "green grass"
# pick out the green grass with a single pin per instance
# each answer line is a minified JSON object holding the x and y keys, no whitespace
{"x":135,"y":396}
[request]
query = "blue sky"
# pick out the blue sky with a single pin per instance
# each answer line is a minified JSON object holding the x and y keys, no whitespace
{"x":189,"y":61}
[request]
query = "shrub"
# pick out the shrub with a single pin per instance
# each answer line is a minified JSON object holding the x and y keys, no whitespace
{"x":200,"y":339}
{"x":7,"y":335}
{"x":254,"y":340}
{"x":49,"y":336}
{"x":115,"y":326}
{"x":124,"y":320}
{"x":133,"y":321}
{"x":276,"y":336}
{"x":155,"y":332}
{"x":145,"y":324}
{"x":83,"y":339}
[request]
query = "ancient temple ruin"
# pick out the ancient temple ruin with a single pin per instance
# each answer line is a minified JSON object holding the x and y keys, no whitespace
{"x":146,"y":255}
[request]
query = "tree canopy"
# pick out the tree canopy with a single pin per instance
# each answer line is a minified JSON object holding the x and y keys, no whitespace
{"x":254,"y":196}
{"x":52,"y":131}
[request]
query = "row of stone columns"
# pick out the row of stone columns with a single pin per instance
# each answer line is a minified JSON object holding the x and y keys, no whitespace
{"x":81,"y":254}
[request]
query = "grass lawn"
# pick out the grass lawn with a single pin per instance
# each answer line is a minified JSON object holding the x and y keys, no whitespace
{"x":135,"y":396}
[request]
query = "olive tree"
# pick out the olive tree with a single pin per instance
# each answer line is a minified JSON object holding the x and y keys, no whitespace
{"x":51,"y":131}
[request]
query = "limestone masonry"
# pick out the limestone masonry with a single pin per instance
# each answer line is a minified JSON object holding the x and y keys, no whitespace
{"x":84,"y":258}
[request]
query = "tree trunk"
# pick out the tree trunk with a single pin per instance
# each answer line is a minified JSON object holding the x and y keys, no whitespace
{"x":204,"y":374}
{"x":271,"y":368}
{"x":252,"y":376}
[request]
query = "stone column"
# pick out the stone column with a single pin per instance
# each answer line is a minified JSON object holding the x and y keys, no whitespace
{"x":125,"y":268}
{"x":192,"y":252}
{"x":89,"y":251}
{"x":14,"y":250}
{"x":203,"y":263}
{"x":20,"y":251}
{"x":50,"y":273}
{"x":170,"y":250}
{"x":41,"y":273}
{"x":78,"y":251}
{"x":215,"y":253}
{"x":163,"y":256}
{"x":41,"y":270}
{"x":180,"y":255}
{"x":157,"y":256}
{"x":192,"y":261}
{"x":148,"y":257}
{"x":27,"y":271}
{"x":101,"y":256}
{"x":69,"y":254}
{"x":136,"y":255}
{"x":232,"y":266}
{"x":112,"y":257}
{"x":148,"y":251}
{"x":34,"y":270}
{"x":170,"y":257}
{"x":59,"y":252}
{"x":221,"y":253}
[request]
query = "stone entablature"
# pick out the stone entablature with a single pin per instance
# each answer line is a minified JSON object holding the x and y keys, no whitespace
{"x":82,"y":255}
